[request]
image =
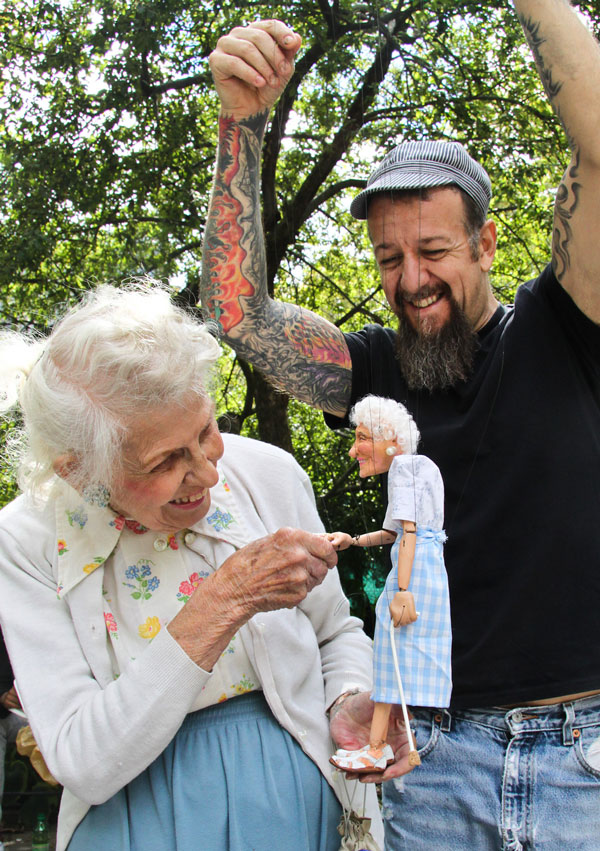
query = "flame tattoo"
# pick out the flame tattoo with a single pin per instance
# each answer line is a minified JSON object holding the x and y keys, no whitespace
{"x":227,"y":254}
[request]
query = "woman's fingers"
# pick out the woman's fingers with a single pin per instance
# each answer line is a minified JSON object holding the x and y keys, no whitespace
{"x":280,"y":570}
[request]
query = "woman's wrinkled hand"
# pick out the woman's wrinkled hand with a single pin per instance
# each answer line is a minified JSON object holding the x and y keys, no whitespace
{"x":350,"y":728}
{"x":252,"y":65}
{"x":275,"y":572}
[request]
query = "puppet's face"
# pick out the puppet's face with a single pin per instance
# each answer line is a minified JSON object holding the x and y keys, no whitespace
{"x":371,"y":453}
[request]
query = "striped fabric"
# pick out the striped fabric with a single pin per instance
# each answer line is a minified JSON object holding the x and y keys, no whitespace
{"x":418,"y":165}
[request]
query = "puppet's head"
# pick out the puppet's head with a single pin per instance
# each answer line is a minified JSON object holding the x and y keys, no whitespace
{"x":384,"y":429}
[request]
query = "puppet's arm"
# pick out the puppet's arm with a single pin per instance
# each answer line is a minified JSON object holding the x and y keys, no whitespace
{"x":402,"y":607}
{"x":342,"y":540}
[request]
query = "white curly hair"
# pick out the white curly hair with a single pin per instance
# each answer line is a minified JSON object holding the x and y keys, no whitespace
{"x":120,"y":353}
{"x":387,"y":419}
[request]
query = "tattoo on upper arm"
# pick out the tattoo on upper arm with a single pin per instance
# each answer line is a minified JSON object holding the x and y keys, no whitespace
{"x":300,"y":353}
{"x":567,"y":200}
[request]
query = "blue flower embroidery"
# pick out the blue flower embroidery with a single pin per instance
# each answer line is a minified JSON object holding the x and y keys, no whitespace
{"x":142,"y":588}
{"x":220,"y":520}
{"x":78,"y":516}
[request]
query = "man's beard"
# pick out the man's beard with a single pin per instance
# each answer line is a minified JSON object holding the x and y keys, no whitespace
{"x":436,"y":360}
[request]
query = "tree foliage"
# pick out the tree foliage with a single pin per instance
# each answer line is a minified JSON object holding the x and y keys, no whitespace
{"x":108,"y":123}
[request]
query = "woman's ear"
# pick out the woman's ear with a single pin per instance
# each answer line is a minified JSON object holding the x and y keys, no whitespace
{"x":65,"y":466}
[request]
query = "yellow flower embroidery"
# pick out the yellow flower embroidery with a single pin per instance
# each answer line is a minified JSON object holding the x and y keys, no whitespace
{"x":87,"y":568}
{"x":150,"y":628}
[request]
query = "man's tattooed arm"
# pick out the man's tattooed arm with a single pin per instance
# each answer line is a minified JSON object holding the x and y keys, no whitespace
{"x":298,"y":351}
{"x":568,"y":59}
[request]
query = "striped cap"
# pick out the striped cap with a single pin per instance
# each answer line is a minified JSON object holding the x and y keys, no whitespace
{"x":418,"y":165}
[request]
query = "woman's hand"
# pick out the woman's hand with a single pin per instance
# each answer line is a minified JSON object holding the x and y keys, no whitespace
{"x":340,"y":540}
{"x":252,"y":65}
{"x":350,"y":728}
{"x":275,"y":572}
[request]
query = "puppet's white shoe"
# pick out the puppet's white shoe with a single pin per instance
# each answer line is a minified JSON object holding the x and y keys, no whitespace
{"x":365,"y":760}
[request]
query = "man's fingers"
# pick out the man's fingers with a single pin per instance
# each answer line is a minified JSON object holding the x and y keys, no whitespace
{"x":252,"y":55}
{"x":285,"y":37}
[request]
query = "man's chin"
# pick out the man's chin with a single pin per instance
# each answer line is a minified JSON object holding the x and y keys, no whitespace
{"x":437,"y":354}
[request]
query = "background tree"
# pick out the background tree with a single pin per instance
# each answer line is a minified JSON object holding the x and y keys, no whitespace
{"x":108,"y":128}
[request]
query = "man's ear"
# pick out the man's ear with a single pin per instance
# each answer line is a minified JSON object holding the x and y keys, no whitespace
{"x":487,"y":245}
{"x":65,"y":466}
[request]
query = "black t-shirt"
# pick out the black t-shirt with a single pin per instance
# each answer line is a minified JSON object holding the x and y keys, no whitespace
{"x":518,"y":445}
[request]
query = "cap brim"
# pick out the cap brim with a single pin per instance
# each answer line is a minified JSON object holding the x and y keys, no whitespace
{"x":397,"y":179}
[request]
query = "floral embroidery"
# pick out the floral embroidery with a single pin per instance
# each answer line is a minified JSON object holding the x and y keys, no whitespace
{"x":225,"y":484}
{"x":87,"y":568}
{"x":143,"y":587}
{"x":111,"y":624}
{"x":243,"y":686}
{"x":220,"y":520}
{"x":78,"y":516}
{"x":222,"y":699}
{"x":150,"y":628}
{"x":187,"y":587}
{"x":230,"y":647}
{"x":172,"y":542}
{"x":136,"y":527}
{"x":133,"y":525}
{"x":62,"y":547}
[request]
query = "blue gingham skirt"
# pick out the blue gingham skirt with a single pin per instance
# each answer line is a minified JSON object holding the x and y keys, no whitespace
{"x":423,"y":647}
{"x":232,"y":779}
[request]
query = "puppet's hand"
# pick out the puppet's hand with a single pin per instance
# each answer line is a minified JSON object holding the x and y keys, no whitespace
{"x":350,"y":728}
{"x":340,"y":540}
{"x":402,"y":608}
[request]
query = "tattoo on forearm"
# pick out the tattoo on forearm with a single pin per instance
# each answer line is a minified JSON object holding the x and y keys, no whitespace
{"x":567,"y":200}
{"x":226,"y":249}
{"x":298,"y":351}
{"x":535,"y":39}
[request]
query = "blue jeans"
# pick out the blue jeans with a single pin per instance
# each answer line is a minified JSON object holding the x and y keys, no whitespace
{"x":525,"y":778}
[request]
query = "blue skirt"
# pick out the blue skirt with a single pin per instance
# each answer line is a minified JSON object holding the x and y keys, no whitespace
{"x":232,"y":779}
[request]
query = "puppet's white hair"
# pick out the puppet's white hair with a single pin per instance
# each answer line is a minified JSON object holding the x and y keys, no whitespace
{"x":387,"y":419}
{"x":117,"y":355}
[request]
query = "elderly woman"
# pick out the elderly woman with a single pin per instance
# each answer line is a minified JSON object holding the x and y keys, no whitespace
{"x":174,"y":647}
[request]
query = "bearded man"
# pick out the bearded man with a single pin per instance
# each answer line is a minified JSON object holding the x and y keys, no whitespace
{"x":507,"y":400}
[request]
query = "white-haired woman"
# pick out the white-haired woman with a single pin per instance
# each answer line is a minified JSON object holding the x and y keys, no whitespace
{"x":174,"y":647}
{"x":386,"y":439}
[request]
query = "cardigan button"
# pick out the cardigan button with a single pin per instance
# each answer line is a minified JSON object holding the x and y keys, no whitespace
{"x":160,"y":544}
{"x":189,"y":538}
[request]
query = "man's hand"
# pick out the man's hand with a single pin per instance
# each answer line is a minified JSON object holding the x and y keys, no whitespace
{"x":350,"y":728}
{"x":252,"y":65}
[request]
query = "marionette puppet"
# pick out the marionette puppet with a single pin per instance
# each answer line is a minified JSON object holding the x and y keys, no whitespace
{"x":411,"y":662}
